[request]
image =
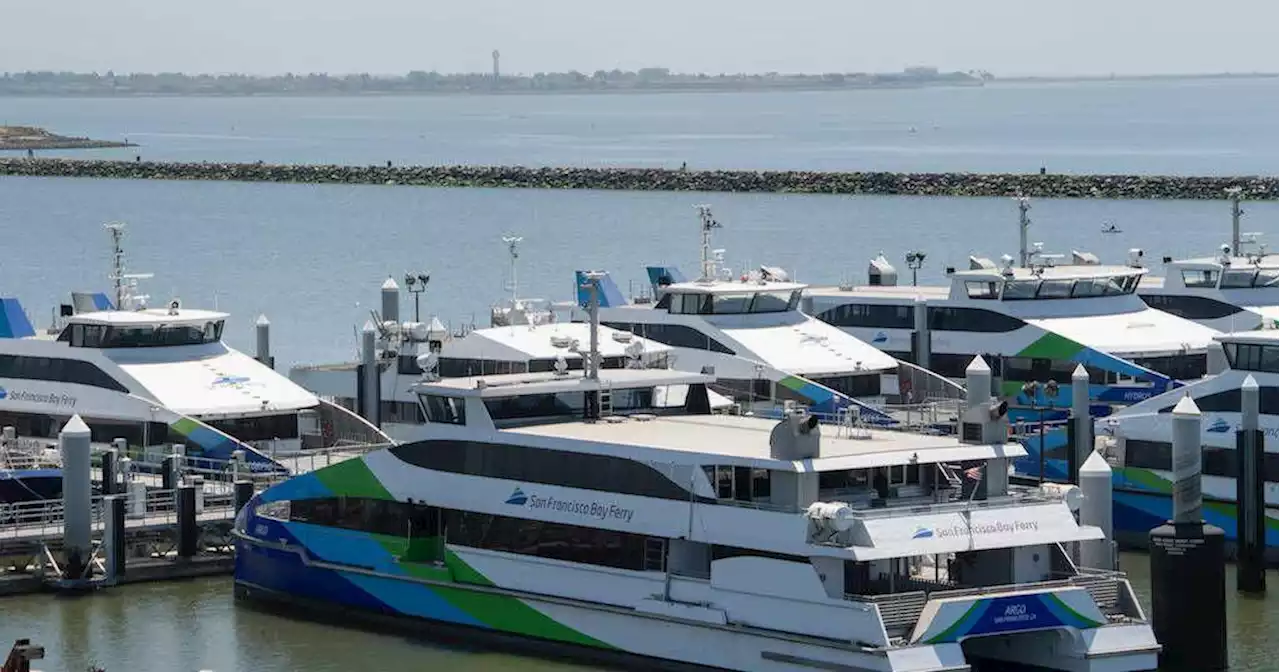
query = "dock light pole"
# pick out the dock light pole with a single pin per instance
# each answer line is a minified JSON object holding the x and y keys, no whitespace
{"x":1031,"y":391}
{"x":915,"y":260}
{"x":1233,"y":194}
{"x":416,"y":284}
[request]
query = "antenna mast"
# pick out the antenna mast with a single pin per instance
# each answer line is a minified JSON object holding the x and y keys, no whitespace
{"x":512,"y":242}
{"x":1024,"y":223}
{"x":124,"y":283}
{"x":708,"y":260}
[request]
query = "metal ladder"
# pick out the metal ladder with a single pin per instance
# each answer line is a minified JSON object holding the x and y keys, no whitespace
{"x":606,"y":401}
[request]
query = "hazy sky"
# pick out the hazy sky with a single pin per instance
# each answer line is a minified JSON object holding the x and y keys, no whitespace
{"x":393,"y":36}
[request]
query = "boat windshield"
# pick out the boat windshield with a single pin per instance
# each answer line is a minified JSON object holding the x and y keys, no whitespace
{"x":141,"y":336}
{"x":733,"y":303}
{"x":1069,"y":288}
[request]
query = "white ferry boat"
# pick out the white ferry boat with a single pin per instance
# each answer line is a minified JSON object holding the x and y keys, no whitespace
{"x":153,"y":377}
{"x":1227,"y":292}
{"x":526,"y":335}
{"x":1139,"y":443}
{"x":762,"y":347}
{"x":528,"y":511}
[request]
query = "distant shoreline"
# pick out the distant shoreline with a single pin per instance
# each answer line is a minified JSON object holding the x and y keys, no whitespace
{"x":32,"y":138}
{"x":613,"y":82}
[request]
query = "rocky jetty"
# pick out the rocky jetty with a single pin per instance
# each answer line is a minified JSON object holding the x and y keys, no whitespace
{"x":32,"y":138}
{"x":661,"y":179}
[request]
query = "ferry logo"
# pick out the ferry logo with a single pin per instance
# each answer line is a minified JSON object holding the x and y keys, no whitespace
{"x":517,"y":498}
{"x":922,"y":533}
{"x":222,"y":381}
{"x":881,"y":337}
{"x":1219,"y":426}
{"x":3,"y":393}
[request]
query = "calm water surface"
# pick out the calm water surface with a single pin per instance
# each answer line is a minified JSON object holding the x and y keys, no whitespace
{"x":312,"y":257}
{"x":196,"y":625}
{"x":1167,"y":127}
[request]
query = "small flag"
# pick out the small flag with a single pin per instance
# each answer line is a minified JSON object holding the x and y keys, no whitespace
{"x":974,"y":474}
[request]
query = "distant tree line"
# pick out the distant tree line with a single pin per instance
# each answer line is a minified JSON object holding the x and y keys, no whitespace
{"x":418,"y":81}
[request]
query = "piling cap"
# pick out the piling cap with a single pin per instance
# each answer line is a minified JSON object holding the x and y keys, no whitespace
{"x":1096,"y":464}
{"x":369,"y":328}
{"x":1249,"y":384}
{"x":75,"y":427}
{"x":978,"y":365}
{"x":1080,"y":373}
{"x":920,"y":299}
{"x":262,"y":321}
{"x":390,"y":284}
{"x":1187,"y":407}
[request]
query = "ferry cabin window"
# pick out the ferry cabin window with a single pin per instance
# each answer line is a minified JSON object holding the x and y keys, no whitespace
{"x":1020,"y":289}
{"x":1252,"y":357}
{"x":690,"y":304}
{"x":1229,"y":401}
{"x":1239,"y":278}
{"x":57,"y":370}
{"x":568,"y":469}
{"x":144,"y":336}
{"x":1267,"y":278}
{"x":1099,"y":287}
{"x":867,"y":315}
{"x":1204,"y":278}
{"x":262,"y":428}
{"x":982,"y":290}
{"x":972,"y":319}
{"x":1178,"y":367}
{"x":444,"y":410}
{"x":1191,"y":307}
{"x":743,"y":484}
{"x":1055,"y":289}
{"x":1222,"y":462}
{"x":674,"y":335}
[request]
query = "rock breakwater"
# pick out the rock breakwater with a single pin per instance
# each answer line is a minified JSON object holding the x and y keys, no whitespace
{"x":661,"y":179}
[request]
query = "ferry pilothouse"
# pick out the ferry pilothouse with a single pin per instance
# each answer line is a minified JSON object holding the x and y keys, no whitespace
{"x":530,"y":511}
{"x":1229,"y":292}
{"x":1138,"y":441}
{"x":749,"y":329}
{"x":153,"y":377}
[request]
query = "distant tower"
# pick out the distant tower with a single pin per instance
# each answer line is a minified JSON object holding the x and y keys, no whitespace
{"x":497,"y":76}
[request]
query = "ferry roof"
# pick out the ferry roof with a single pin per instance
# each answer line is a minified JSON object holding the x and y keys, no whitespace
{"x":1269,"y":261}
{"x":1145,"y":332}
{"x":731,"y":287}
{"x":515,"y":384}
{"x":1257,"y":337}
{"x":521,"y":342}
{"x":1065,"y":272}
{"x":745,"y":441}
{"x":224,"y":383}
{"x":927,"y":292}
{"x":150,"y":316}
{"x":810,"y":347}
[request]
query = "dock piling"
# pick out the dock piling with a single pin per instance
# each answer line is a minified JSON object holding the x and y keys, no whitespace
{"x":74,"y":443}
{"x":109,"y":469}
{"x":113,"y":531}
{"x":1096,"y":510}
{"x":243,"y":493}
{"x":370,"y":378}
{"x":1188,"y":566}
{"x":262,"y":329}
{"x":187,"y":530}
{"x":923,"y":337}
{"x":1080,"y":429}
{"x":1251,"y":532}
{"x":168,"y":473}
{"x":137,"y":499}
{"x":390,"y":301}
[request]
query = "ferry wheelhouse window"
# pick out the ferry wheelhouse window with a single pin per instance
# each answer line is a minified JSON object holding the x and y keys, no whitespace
{"x":444,"y":410}
{"x":734,"y":303}
{"x":1238,"y":278}
{"x":1252,"y":356}
{"x":1025,"y":290}
{"x":1200,"y":278}
{"x":141,"y":336}
{"x":982,"y":290}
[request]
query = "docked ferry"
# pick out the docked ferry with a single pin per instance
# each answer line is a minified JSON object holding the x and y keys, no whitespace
{"x":529,"y":512}
{"x":1139,"y":442}
{"x":1228,"y":292}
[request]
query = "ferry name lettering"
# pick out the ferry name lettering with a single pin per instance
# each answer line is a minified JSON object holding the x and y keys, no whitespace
{"x":596,"y":510}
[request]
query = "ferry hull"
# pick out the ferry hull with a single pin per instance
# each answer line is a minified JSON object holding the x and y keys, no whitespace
{"x":272,"y":575}
{"x":1135,"y":514}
